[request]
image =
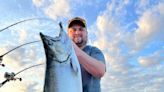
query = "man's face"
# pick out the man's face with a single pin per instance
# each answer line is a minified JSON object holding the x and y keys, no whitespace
{"x":78,"y":34}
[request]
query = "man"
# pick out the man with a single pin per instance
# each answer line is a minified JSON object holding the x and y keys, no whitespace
{"x":91,"y":59}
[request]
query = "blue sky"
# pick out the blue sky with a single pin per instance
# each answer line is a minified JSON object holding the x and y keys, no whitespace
{"x":129,"y":32}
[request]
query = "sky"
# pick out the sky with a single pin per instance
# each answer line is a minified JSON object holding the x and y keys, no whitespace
{"x":129,"y":33}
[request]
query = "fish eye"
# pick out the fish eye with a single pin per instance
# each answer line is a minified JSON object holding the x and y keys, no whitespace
{"x":50,"y":42}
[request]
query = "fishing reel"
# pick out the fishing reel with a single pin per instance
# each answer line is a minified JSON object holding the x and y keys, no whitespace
{"x":11,"y":76}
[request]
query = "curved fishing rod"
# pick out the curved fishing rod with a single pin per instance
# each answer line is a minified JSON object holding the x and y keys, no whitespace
{"x":28,"y":68}
{"x":20,"y":46}
{"x":22,"y":22}
{"x":1,"y":56}
{"x":11,"y":76}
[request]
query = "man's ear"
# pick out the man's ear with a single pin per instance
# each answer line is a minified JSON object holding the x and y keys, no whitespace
{"x":68,"y":32}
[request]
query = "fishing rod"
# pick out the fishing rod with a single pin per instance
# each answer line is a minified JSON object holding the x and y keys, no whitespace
{"x":11,"y":76}
{"x":1,"y":57}
{"x":22,"y":22}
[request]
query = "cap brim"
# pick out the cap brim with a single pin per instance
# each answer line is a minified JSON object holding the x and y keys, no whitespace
{"x":76,"y":22}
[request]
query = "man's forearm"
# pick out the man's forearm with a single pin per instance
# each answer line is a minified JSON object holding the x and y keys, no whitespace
{"x":93,"y":66}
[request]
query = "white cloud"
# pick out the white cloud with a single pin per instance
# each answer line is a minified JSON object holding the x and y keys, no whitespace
{"x":38,"y":3}
{"x":22,"y":35}
{"x":14,"y":86}
{"x":21,"y":56}
{"x":83,"y":3}
{"x":152,"y":59}
{"x":55,"y":9}
{"x":142,"y":5}
{"x":32,"y":81}
{"x":60,"y":8}
{"x":111,"y":35}
{"x":25,"y":56}
{"x":150,"y":27}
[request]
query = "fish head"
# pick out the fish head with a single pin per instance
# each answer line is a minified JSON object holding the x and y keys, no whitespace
{"x":57,"y":48}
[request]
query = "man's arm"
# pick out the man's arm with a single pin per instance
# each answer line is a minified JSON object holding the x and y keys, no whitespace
{"x":92,"y":65}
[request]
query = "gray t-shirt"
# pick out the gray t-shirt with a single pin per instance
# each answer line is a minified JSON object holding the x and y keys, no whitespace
{"x":91,"y":83}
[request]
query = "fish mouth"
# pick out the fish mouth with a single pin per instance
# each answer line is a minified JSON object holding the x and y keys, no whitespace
{"x":46,"y":41}
{"x":63,"y":61}
{"x":41,"y":35}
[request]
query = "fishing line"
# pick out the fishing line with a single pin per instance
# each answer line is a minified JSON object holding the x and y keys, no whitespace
{"x":22,"y":22}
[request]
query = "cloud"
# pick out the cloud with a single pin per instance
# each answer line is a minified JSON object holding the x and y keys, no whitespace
{"x":58,"y":9}
{"x":13,"y":86}
{"x":38,"y":3}
{"x":151,"y":60}
{"x":118,"y":45}
{"x":109,"y":34}
{"x":142,"y":5}
{"x":31,"y":87}
{"x":23,"y":35}
{"x":82,"y":3}
{"x":135,"y":79}
{"x":150,"y":26}
{"x":32,"y":81}
{"x":25,"y":56}
{"x":123,"y":48}
{"x":29,"y":77}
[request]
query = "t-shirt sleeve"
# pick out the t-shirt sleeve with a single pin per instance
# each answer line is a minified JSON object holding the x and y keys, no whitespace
{"x":97,"y":54}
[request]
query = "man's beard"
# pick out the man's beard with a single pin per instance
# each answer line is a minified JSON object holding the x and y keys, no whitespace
{"x":79,"y":41}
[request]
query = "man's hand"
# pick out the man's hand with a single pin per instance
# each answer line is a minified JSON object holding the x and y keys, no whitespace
{"x":76,"y":48}
{"x":91,"y":65}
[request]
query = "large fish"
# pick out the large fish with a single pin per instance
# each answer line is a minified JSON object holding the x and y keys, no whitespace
{"x":63,"y":72}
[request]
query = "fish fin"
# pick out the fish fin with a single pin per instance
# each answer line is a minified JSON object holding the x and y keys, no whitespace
{"x":74,"y":66}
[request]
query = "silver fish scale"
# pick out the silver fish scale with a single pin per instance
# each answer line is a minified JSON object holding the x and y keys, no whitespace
{"x":63,"y":72}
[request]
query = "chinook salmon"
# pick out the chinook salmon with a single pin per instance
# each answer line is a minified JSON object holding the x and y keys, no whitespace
{"x":63,"y":72}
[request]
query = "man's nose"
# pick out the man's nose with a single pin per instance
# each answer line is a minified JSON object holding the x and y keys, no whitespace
{"x":77,"y":32}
